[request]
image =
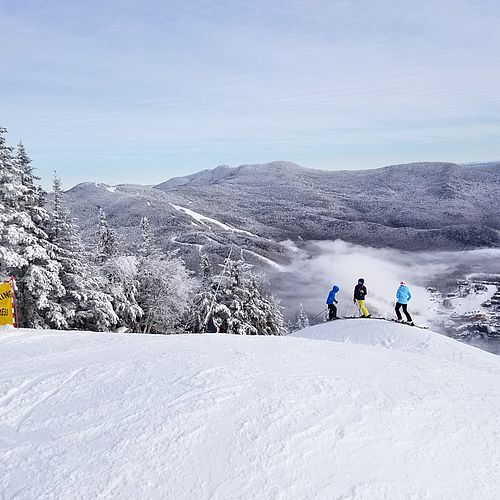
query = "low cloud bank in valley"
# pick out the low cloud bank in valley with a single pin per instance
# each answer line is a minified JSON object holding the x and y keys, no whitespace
{"x":319,"y":265}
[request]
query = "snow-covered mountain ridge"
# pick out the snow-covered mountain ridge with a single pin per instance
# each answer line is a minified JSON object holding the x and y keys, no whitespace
{"x":358,"y":409}
{"x":419,"y":206}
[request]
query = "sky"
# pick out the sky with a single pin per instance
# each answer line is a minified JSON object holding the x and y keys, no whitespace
{"x":128,"y":91}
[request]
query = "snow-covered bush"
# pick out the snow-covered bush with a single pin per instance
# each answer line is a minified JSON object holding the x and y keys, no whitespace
{"x":165,"y":287}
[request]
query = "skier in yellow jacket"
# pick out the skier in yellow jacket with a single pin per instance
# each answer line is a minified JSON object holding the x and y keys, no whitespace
{"x":359,"y":296}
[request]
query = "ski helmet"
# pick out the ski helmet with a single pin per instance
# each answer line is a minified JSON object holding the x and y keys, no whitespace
{"x":402,"y":282}
{"x":361,"y":280}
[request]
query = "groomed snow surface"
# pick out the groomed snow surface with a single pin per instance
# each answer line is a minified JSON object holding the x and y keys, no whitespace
{"x":354,"y":409}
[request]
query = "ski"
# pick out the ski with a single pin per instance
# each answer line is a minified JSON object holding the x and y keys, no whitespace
{"x":422,"y":327}
{"x":410,"y":324}
{"x":362,"y":317}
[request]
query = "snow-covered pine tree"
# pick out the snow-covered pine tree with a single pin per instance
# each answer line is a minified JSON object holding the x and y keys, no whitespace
{"x":302,"y":319}
{"x":271,"y":321}
{"x":234,"y":295}
{"x":84,"y":305}
{"x":252,"y":310}
{"x":107,"y":245}
{"x":147,"y":247}
{"x":34,"y":198}
{"x":25,"y":250}
{"x":205,"y":313}
{"x":275,"y":322}
{"x":119,"y":277}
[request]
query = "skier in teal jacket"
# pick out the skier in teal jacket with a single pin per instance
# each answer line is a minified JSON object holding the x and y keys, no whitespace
{"x":403,"y":296}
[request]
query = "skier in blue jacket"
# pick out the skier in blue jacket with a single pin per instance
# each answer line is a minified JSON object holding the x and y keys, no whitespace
{"x":403,"y":296}
{"x":331,"y":301}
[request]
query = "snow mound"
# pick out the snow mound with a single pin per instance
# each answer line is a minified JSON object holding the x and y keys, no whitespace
{"x":217,"y":416}
{"x":384,"y":333}
{"x":390,"y":335}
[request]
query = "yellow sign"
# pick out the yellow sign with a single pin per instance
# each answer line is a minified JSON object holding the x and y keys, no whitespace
{"x":6,"y":304}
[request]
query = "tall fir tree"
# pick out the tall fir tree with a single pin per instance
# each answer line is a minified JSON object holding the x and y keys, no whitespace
{"x":302,"y":319}
{"x":84,"y":305}
{"x":147,"y":247}
{"x":205,"y":313}
{"x":107,"y":245}
{"x":34,"y":195}
{"x":119,"y":277}
{"x":25,"y":249}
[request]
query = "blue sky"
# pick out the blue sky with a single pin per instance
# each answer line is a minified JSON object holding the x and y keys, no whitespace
{"x":140,"y":91}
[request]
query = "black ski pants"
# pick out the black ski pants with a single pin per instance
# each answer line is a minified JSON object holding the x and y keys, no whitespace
{"x":405,"y":310}
{"x":332,"y":311}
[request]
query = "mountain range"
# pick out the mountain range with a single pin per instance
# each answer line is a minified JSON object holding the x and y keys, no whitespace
{"x":416,"y":206}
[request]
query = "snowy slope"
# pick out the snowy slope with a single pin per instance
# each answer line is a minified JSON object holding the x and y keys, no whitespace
{"x":358,"y":409}
{"x":207,"y":220}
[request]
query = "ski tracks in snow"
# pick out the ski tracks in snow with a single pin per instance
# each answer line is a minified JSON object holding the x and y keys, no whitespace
{"x":32,"y":396}
{"x":217,"y":417}
{"x":44,"y":396}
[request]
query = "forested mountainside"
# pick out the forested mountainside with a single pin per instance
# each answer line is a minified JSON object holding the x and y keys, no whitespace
{"x":417,"y":206}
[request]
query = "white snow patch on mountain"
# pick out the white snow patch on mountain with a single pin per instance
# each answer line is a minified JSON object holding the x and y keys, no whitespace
{"x":374,"y":410}
{"x":204,"y":220}
{"x":270,"y":262}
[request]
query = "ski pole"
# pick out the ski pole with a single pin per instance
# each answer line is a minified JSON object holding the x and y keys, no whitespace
{"x":349,"y":309}
{"x":359,"y":309}
{"x":314,"y":317}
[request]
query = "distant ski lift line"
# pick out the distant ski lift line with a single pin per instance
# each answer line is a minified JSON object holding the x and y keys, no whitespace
{"x":202,"y":218}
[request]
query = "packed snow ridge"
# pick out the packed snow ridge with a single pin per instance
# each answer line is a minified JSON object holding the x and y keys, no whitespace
{"x":360,"y":409}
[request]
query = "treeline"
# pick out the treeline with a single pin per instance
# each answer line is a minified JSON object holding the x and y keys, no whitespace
{"x":64,"y":285}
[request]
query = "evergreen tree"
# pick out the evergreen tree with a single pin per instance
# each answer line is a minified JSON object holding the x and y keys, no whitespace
{"x":25,"y":250}
{"x":34,"y":197}
{"x":205,"y":313}
{"x":119,"y":277}
{"x":302,"y":319}
{"x":239,"y":296}
{"x":8,"y":233}
{"x":107,"y":245}
{"x":84,"y":305}
{"x":242,"y":306}
{"x":206,"y":268}
{"x":264,"y":309}
{"x":147,"y":247}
